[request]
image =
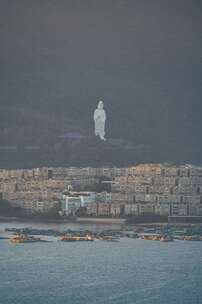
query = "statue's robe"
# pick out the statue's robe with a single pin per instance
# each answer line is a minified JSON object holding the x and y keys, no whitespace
{"x":100,"y":118}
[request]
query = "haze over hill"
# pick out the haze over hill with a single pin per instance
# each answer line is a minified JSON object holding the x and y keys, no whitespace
{"x":143,"y":58}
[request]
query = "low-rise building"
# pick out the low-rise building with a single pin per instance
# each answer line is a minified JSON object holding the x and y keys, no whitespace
{"x":104,"y":209}
{"x":39,"y":207}
{"x":72,"y":201}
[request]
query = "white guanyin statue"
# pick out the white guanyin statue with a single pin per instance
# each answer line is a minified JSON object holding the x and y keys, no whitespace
{"x":99,"y":119}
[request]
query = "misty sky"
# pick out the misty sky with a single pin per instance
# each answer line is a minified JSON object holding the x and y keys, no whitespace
{"x":135,"y":54}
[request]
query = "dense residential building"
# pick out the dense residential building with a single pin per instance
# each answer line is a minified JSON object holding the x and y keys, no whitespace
{"x":158,"y":189}
{"x":162,"y":190}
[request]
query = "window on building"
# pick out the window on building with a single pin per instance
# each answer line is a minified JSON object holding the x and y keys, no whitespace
{"x":50,"y":174}
{"x":198,"y":190}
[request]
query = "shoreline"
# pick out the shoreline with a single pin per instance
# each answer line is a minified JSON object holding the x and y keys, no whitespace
{"x":26,"y":219}
{"x":91,"y":220}
{"x":101,"y":220}
{"x":79,"y":220}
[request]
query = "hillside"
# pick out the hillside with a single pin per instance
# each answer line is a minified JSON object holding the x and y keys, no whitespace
{"x":31,"y":138}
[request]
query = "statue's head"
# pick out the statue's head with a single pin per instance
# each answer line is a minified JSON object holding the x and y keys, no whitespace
{"x":100,"y":104}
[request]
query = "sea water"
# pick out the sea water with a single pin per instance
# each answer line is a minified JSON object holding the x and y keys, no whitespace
{"x":127,"y":272}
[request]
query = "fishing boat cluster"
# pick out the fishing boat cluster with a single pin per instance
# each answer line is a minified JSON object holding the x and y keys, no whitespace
{"x":160,"y":233}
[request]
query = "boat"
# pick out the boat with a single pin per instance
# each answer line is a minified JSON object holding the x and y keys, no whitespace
{"x":109,"y":238}
{"x":166,"y":238}
{"x":190,"y":238}
{"x":70,"y":238}
{"x":4,"y":237}
{"x":151,"y":237}
{"x":21,"y":238}
{"x":158,"y":237}
{"x":129,"y":234}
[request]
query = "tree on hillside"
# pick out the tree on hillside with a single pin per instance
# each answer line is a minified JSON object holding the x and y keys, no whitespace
{"x":6,"y":209}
